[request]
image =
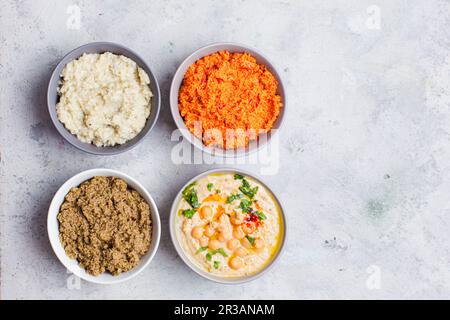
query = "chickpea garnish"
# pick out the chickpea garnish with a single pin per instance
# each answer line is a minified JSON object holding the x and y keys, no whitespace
{"x":236,"y":220}
{"x":240,"y":252}
{"x":249,"y":228}
{"x":214,"y":244}
{"x":232,"y":244}
{"x":236,"y":263}
{"x":197,"y":232}
{"x":206,"y":212}
{"x":204,"y":240}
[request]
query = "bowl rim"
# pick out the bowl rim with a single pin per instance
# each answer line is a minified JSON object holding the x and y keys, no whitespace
{"x":54,"y":237}
{"x":98,"y":150}
{"x":179,"y":122}
{"x":204,"y":274}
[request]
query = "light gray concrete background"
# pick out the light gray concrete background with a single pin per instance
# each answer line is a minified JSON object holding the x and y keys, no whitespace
{"x":364,"y":153}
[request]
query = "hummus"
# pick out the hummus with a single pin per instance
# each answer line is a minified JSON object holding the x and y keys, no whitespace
{"x":229,"y":225}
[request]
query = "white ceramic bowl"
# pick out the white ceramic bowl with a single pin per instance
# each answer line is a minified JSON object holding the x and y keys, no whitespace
{"x":178,"y":79}
{"x":184,"y":256}
{"x":72,"y":264}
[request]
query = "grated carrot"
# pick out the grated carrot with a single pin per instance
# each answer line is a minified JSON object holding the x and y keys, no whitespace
{"x":231,"y":97}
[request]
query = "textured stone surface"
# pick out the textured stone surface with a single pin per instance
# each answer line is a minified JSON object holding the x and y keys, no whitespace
{"x":364,"y":152}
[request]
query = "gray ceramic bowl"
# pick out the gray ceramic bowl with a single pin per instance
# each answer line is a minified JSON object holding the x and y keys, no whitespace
{"x":178,"y":79}
{"x":100,"y":47}
{"x":185,"y":257}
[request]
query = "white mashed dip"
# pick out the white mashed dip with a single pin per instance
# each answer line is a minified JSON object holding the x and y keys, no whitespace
{"x":104,"y":98}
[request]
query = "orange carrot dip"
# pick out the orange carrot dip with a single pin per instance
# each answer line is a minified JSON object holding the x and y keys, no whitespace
{"x":227,"y":99}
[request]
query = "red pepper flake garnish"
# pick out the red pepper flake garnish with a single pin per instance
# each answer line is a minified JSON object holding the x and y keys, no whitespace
{"x":253,"y":219}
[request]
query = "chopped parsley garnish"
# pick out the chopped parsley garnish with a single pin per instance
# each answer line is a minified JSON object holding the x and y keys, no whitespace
{"x":238,"y":176}
{"x":210,"y":186}
{"x":245,"y":205}
{"x":260,"y":215}
{"x":247,"y":189}
{"x":190,"y":195}
{"x":189,"y":188}
{"x":216,"y":264}
{"x":221,"y":251}
{"x":233,"y":197}
{"x":250,"y":239}
{"x":213,"y":252}
{"x":201,"y":249}
{"x":188,"y":213}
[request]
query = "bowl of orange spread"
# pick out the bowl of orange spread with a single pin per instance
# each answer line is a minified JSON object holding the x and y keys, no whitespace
{"x":227,"y":99}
